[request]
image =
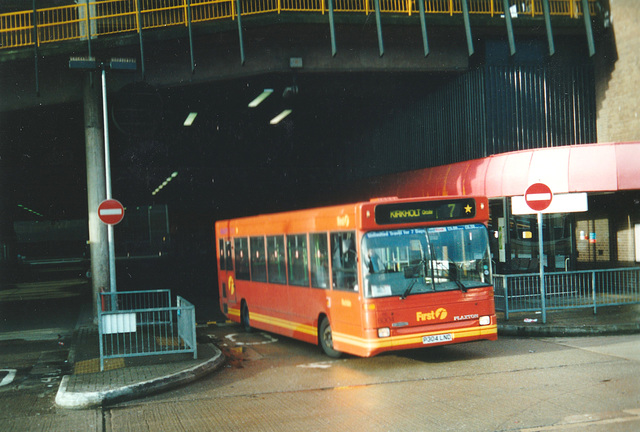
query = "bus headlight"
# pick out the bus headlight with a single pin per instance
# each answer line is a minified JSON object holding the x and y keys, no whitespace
{"x":384,"y":332}
{"x":484,"y":320}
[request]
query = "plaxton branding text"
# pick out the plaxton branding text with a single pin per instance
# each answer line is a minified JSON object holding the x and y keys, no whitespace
{"x":466,"y":317}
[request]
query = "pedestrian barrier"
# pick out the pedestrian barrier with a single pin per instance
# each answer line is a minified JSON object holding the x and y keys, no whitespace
{"x":144,"y":323}
{"x":567,"y":290}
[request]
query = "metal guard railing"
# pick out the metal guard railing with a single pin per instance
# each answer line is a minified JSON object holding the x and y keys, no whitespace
{"x":567,"y":290}
{"x":108,"y":17}
{"x":144,"y":323}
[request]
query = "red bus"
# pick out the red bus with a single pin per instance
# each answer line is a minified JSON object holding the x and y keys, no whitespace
{"x":389,"y":274}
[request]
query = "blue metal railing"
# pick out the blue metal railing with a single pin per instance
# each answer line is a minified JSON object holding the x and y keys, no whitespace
{"x":144,"y":323}
{"x":567,"y":290}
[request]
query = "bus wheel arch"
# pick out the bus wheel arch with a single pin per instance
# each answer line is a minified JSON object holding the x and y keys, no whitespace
{"x":325,"y":337}
{"x":244,"y":316}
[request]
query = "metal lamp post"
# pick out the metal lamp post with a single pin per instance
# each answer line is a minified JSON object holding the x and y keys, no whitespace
{"x":90,"y":64}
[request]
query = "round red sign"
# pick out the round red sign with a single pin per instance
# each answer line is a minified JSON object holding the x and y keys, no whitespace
{"x":538,"y":196}
{"x":110,"y":211}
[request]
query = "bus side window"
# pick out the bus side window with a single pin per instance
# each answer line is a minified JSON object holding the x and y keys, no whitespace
{"x":298,"y":260}
{"x":343,"y":260}
{"x":221,"y":257}
{"x":228,"y":256}
{"x":319,"y":260}
{"x":276,"y":260}
{"x":242,"y":258}
{"x":258,"y":262}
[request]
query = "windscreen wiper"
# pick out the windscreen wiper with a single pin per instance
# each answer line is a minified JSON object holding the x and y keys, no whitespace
{"x":408,"y":290}
{"x":462,"y":287}
{"x":455,"y":276}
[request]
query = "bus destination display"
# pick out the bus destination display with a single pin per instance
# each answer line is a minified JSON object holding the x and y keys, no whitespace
{"x":425,"y":211}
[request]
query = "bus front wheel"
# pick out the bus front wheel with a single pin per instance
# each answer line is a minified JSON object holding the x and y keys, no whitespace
{"x":326,"y":339}
{"x":244,"y":317}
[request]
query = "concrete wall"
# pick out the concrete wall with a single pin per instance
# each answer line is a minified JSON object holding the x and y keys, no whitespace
{"x":618,"y":76}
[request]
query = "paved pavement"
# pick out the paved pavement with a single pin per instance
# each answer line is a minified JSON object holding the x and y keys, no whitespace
{"x":135,"y":378}
{"x":129,"y":378}
{"x":573,"y":322}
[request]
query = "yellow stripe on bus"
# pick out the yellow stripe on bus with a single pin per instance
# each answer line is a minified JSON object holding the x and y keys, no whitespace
{"x":278,"y":322}
{"x":369,"y":343}
{"x":413,"y":338}
{"x":282,"y":323}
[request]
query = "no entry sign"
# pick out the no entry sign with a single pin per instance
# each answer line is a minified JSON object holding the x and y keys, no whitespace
{"x":538,"y":196}
{"x":110,"y":211}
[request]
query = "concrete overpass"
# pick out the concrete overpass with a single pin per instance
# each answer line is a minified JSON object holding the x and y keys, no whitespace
{"x":181,"y":42}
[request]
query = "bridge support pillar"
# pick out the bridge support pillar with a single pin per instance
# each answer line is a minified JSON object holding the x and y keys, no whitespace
{"x":96,"y":188}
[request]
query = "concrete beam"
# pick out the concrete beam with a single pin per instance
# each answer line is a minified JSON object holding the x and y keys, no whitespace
{"x":268,"y":49}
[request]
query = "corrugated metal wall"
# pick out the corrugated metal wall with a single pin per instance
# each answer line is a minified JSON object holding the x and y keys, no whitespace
{"x":490,"y":110}
{"x":534,"y":107}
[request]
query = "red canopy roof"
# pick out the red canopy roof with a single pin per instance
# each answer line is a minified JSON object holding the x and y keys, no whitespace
{"x":578,"y":168}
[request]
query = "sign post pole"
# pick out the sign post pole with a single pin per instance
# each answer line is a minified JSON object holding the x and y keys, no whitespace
{"x":107,"y":166}
{"x":543,"y":294}
{"x":538,"y":197}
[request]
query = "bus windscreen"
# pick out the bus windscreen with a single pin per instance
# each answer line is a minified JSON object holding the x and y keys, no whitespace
{"x":420,"y":260}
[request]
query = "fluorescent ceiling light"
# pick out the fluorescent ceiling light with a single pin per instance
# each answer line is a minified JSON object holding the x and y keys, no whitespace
{"x":257,"y":101}
{"x":190,"y":118}
{"x":25,"y":208}
{"x":165,"y":183}
{"x":277,"y":119}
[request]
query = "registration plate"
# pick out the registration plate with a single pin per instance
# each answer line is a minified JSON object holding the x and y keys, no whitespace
{"x":447,"y":337}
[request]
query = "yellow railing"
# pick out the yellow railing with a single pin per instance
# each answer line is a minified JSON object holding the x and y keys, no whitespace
{"x":16,"y":29}
{"x":104,"y":17}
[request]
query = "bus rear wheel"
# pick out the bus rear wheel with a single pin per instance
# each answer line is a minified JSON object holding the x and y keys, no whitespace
{"x":326,"y":339}
{"x":244,"y":317}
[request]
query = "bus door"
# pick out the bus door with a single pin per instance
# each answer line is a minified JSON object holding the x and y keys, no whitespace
{"x":345,"y":314}
{"x":226,"y":276}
